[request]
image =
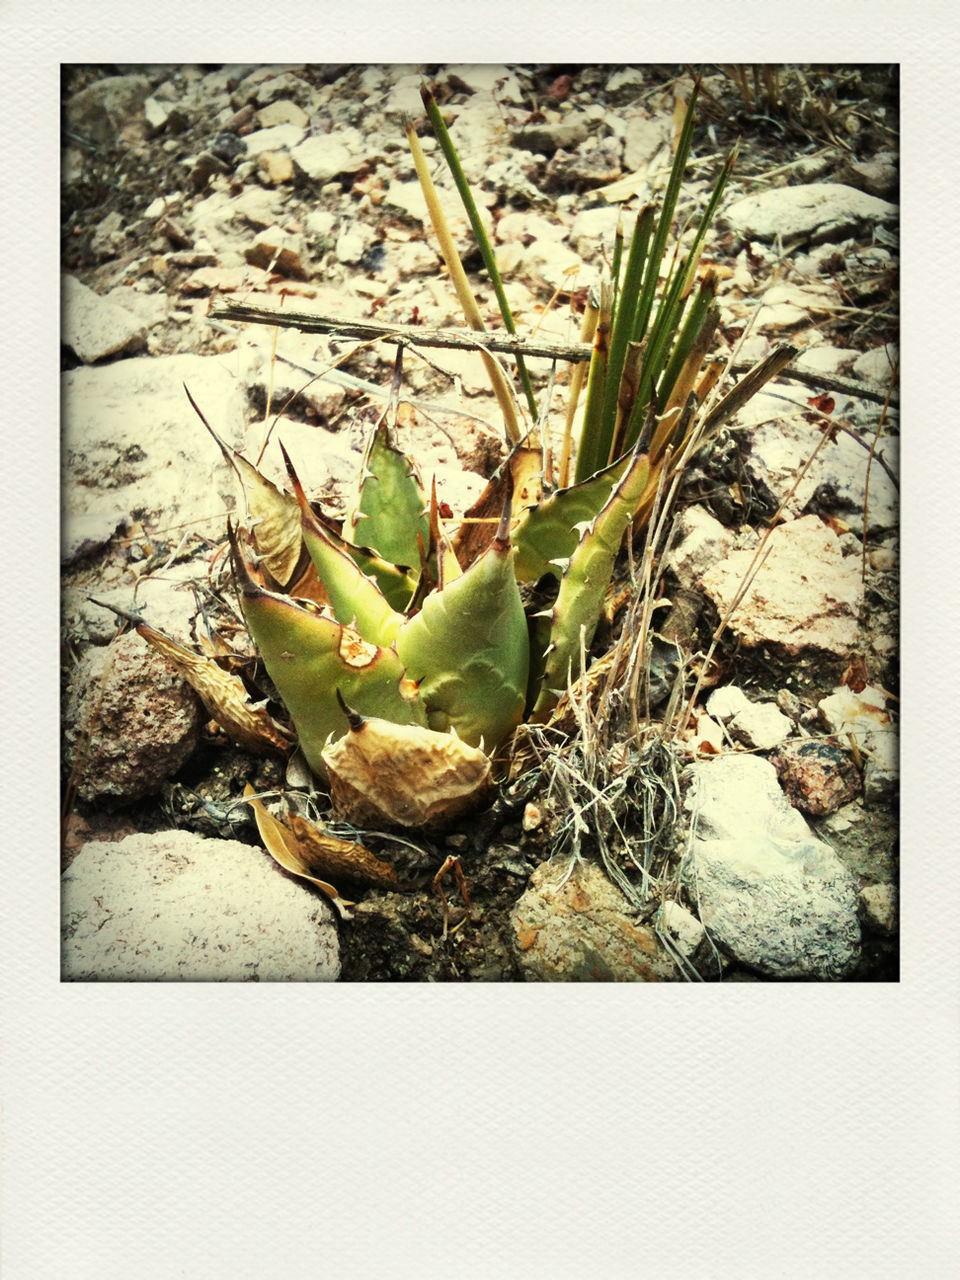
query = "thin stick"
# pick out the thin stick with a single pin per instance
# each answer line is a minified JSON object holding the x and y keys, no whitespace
{"x":503,"y":344}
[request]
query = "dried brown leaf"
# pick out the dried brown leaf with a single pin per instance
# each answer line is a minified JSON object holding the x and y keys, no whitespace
{"x":405,"y":775}
{"x":224,"y":695}
{"x":284,"y":848}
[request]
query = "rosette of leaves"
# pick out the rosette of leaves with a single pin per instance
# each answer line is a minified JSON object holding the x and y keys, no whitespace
{"x":387,"y":618}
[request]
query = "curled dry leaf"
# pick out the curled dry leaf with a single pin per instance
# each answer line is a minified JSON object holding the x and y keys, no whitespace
{"x":404,"y":774}
{"x":335,"y":857}
{"x":284,"y":848}
{"x":223,"y":694}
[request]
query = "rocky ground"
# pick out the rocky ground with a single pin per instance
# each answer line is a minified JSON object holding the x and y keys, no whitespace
{"x":293,"y":185}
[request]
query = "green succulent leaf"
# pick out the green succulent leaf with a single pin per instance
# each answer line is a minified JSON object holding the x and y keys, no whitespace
{"x":584,"y":584}
{"x":309,"y":656}
{"x":468,"y":651}
{"x":391,"y":507}
{"x":551,"y":531}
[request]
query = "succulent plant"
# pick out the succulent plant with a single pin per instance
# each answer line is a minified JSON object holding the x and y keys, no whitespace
{"x":386,"y":620}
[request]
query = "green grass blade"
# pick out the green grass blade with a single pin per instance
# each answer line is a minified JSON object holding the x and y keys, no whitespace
{"x":591,"y":455}
{"x":622,"y":326}
{"x":671,"y":195}
{"x":486,"y":251}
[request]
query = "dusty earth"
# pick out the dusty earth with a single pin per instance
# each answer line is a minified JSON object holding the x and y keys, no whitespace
{"x":816,"y":126}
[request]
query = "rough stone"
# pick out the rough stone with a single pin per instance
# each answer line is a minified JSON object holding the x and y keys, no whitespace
{"x":548,"y":138}
{"x":878,"y":903}
{"x":805,"y":595}
{"x":276,"y":167}
{"x":818,"y":778}
{"x":578,"y":928}
{"x":282,"y":111}
{"x":132,"y":443}
{"x":863,"y":716}
{"x":726,"y":702}
{"x":175,"y":907}
{"x":686,"y":931}
{"x":95,"y":327}
{"x":323,"y":158}
{"x":642,"y":142}
{"x":817,"y":210}
{"x":107,"y":107}
{"x":836,"y":481}
{"x":701,"y":543}
{"x":760,"y":725}
{"x":876,"y":366}
{"x":281,"y":137}
{"x":144,"y":721}
{"x":274,"y":249}
{"x":768,"y":892}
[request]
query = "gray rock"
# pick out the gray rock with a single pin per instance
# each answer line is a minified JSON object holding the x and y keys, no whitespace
{"x":95,"y":327}
{"x":133,"y":444}
{"x":768,"y":892}
{"x":804,"y":595}
{"x":549,"y":137}
{"x":102,"y":110}
{"x":142,"y":719}
{"x":816,"y":210}
{"x":760,"y":725}
{"x":573,"y":925}
{"x":325,"y":157}
{"x":175,"y":907}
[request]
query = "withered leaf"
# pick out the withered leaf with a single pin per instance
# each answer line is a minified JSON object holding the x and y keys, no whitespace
{"x":334,"y":857}
{"x":223,"y":694}
{"x":284,"y":848}
{"x":405,"y":775}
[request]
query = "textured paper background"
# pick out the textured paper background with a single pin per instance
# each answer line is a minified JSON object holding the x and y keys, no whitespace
{"x":506,"y":1131}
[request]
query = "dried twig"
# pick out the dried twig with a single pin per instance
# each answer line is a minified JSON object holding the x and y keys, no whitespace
{"x":504,"y":344}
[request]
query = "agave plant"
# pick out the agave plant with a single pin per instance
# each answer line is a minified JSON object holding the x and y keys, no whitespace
{"x":455,"y":640}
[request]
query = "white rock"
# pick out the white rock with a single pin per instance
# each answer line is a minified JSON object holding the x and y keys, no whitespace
{"x":175,"y":907}
{"x":594,"y":229}
{"x":324,"y":157}
{"x":877,"y":365}
{"x":96,"y":327}
{"x":627,"y":81}
{"x":484,"y":78}
{"x":823,"y":359}
{"x":279,"y":137}
{"x":726,"y":702}
{"x":683,"y":927}
{"x":642,"y":142}
{"x":132,"y":443}
{"x":864,"y":717}
{"x":353,"y":241}
{"x":826,"y":209}
{"x":701,"y":542}
{"x":780,"y":448}
{"x":804,"y":595}
{"x":760,"y":725}
{"x":768,"y":892}
{"x":879,"y":903}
